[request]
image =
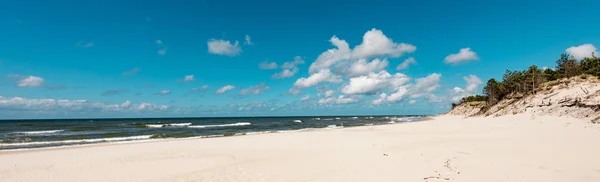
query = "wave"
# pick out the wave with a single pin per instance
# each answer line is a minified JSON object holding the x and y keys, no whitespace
{"x":297,"y":121}
{"x":317,"y":118}
{"x":338,"y":118}
{"x":369,"y":124}
{"x":115,"y":139}
{"x":353,"y":117}
{"x":36,"y":132}
{"x":168,"y":125}
{"x":391,"y":122}
{"x":406,"y":119}
{"x":334,"y":126}
{"x":328,"y":119}
{"x":221,"y":125}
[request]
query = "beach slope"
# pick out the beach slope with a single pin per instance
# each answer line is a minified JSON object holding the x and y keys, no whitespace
{"x":447,"y":148}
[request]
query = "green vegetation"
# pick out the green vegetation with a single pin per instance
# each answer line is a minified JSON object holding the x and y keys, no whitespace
{"x":521,"y":83}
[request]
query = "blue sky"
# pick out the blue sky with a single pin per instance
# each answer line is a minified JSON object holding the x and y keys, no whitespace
{"x":130,"y":58}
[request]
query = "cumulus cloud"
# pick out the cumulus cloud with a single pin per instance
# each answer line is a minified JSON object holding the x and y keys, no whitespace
{"x":429,"y":83}
{"x":285,"y":73}
{"x":375,"y":43}
{"x":159,"y":42}
{"x":189,"y":78}
{"x":289,"y":69}
{"x":248,"y":41}
{"x":113,"y":92}
{"x":374,"y":82}
{"x":396,"y":96}
{"x":164,"y":92}
{"x":28,"y":81}
{"x":223,"y":47}
{"x":329,"y":93}
{"x":582,"y":51}
{"x":200,"y":89}
{"x":265,"y":65}
{"x":406,"y":63}
{"x":339,"y":100}
{"x":305,"y":98}
{"x":362,"y":67}
{"x":58,"y":105}
{"x":464,"y":55}
{"x":412,"y":102}
{"x":315,"y":79}
{"x":473,"y":83}
{"x":225,"y":89}
{"x":423,"y":87}
{"x":254,"y":90}
{"x":293,"y":64}
{"x":131,"y":72}
{"x":84,"y":44}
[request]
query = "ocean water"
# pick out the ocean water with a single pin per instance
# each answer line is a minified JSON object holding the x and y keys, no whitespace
{"x":27,"y":134}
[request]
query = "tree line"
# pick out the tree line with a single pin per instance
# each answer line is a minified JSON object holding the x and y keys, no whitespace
{"x":527,"y":81}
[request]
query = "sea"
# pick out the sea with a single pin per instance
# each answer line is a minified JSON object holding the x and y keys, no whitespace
{"x":31,"y":134}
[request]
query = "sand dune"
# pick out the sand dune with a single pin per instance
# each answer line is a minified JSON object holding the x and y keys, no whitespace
{"x":507,"y":148}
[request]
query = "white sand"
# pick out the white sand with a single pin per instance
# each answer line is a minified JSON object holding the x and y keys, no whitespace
{"x":509,"y":148}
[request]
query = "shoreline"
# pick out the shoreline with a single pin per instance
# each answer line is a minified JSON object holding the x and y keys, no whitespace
{"x":199,"y":137}
{"x":508,"y":148}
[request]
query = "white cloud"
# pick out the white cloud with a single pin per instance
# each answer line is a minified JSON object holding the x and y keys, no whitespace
{"x":164,"y":92}
{"x":429,"y":83}
{"x":223,"y":47}
{"x":159,"y":42}
{"x":162,"y":51}
{"x":58,"y":105}
{"x":375,"y":43}
{"x":374,"y":82}
{"x":289,"y":69}
{"x":329,"y":93}
{"x":265,"y":65}
{"x":285,"y":73}
{"x":225,"y":89}
{"x":361,"y":67}
{"x":84,"y":44}
{"x":292,"y":64}
{"x":464,"y":55}
{"x":200,"y":89}
{"x":315,"y":79}
{"x":305,"y":98}
{"x":331,"y":56}
{"x":473,"y":82}
{"x":255,"y":90}
{"x":582,"y":51}
{"x":412,"y":101}
{"x":133,"y":71}
{"x":248,"y":41}
{"x":294,"y":91}
{"x":397,"y":96}
{"x":339,"y":100}
{"x":406,"y":63}
{"x":189,"y":78}
{"x":28,"y":81}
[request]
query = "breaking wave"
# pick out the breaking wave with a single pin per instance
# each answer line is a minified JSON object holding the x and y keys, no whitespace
{"x":82,"y":141}
{"x":220,"y":125}
{"x":37,"y":132}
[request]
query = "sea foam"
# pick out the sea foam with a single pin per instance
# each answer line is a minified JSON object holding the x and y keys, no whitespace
{"x":37,"y":132}
{"x":221,"y":125}
{"x":78,"y":141}
{"x":168,"y":125}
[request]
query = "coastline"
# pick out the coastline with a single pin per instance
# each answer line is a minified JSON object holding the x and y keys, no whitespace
{"x":513,"y":148}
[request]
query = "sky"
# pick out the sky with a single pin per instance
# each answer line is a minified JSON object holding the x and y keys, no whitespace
{"x":105,"y":59}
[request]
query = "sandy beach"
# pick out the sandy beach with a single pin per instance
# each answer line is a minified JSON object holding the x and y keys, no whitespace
{"x":508,"y":148}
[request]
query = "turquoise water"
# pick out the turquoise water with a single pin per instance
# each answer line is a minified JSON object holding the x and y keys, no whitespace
{"x":24,"y":134}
